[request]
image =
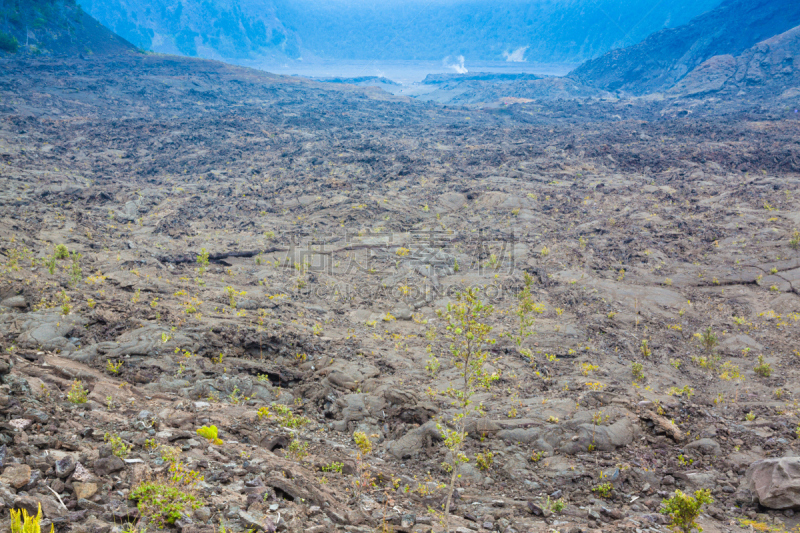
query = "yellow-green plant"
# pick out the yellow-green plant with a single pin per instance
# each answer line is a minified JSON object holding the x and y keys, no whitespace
{"x":112,"y":367}
{"x":211,"y":434}
{"x":118,"y":446}
{"x":22,"y":522}
{"x":763,"y":368}
{"x":333,"y":467}
{"x":587,"y":368}
{"x":364,"y":444}
{"x":61,"y":252}
{"x":637,"y":370}
{"x":77,"y":393}
{"x":604,"y":489}
{"x":283,"y":415}
{"x":685,"y":391}
{"x":708,"y":339}
{"x":202,"y":260}
{"x":555,"y":506}
{"x":75,"y":271}
{"x":50,"y":264}
{"x":794,"y":242}
{"x":468,"y":335}
{"x":163,"y":503}
{"x":645,"y":349}
{"x":433,"y":365}
{"x":297,"y":450}
{"x":232,"y":294}
{"x":525,"y":310}
{"x":684,"y":509}
{"x":484,"y":460}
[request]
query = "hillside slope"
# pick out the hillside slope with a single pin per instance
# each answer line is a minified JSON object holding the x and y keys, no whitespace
{"x":218,"y":29}
{"x":666,"y":57}
{"x":543,"y":31}
{"x":54,"y":27}
{"x":546,"y":31}
{"x":772,"y":65}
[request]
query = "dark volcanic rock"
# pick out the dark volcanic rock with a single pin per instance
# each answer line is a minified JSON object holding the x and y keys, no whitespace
{"x":664,"y":58}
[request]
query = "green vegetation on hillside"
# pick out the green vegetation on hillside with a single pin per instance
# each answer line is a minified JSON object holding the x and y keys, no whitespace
{"x":569,"y":31}
{"x":52,"y":26}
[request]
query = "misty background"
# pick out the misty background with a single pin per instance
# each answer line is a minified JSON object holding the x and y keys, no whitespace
{"x":546,"y":36}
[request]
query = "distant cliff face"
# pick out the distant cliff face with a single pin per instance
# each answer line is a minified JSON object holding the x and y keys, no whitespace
{"x":507,"y":30}
{"x":665,"y":58}
{"x":217,"y":29}
{"x":773,"y":64}
{"x":54,"y":27}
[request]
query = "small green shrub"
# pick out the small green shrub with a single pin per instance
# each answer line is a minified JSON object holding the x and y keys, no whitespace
{"x":75,"y":270}
{"x":50,"y":263}
{"x":604,"y":489}
{"x":61,"y":252}
{"x":484,"y":460}
{"x":645,"y":349}
{"x":637,"y":370}
{"x":22,"y":522}
{"x":298,"y":450}
{"x":113,"y":368}
{"x":333,"y":467}
{"x":284,"y":416}
{"x":708,"y":339}
{"x":684,"y":509}
{"x":118,"y":446}
{"x":211,"y":433}
{"x":163,"y":504}
{"x":202,"y":260}
{"x":77,"y":393}
{"x":555,"y":506}
{"x":763,"y":369}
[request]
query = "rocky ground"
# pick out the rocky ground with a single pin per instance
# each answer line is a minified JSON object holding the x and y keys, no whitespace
{"x":336,"y":221}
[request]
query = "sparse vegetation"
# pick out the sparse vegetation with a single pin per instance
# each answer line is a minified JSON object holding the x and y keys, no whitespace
{"x":22,"y":522}
{"x":113,"y":367}
{"x":118,"y":446}
{"x":637,"y":370}
{"x":283,"y":415}
{"x":310,"y":201}
{"x":484,"y":460}
{"x":297,"y":450}
{"x":202,"y":260}
{"x":708,"y":339}
{"x":468,"y":334}
{"x":362,"y":479}
{"x":684,"y":509}
{"x":210,"y":433}
{"x":604,"y":489}
{"x":645,"y":349}
{"x":763,"y":368}
{"x":77,"y":393}
{"x":163,"y":504}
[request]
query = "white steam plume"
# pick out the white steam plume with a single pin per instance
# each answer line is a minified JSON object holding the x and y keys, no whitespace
{"x":517,"y":56}
{"x":458,"y":65}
